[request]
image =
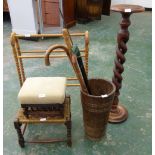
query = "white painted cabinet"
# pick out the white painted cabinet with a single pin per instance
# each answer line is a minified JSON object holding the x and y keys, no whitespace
{"x":23,"y":16}
{"x":32,"y":17}
{"x":144,"y":3}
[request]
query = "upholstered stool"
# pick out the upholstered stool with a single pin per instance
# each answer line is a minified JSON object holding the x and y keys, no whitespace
{"x":43,"y":100}
{"x":40,"y":94}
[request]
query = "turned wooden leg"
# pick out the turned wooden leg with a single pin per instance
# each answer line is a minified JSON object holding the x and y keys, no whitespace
{"x":17,"y":126}
{"x":69,"y":139}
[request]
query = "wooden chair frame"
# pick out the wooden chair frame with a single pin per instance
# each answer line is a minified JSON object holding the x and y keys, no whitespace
{"x":21,"y":119}
{"x":19,"y":54}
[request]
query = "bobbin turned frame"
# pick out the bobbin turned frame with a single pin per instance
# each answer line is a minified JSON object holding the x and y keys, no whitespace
{"x":19,"y":54}
{"x":118,"y":112}
{"x":31,"y":114}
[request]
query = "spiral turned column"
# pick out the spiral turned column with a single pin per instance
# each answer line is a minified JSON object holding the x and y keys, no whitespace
{"x":118,"y":112}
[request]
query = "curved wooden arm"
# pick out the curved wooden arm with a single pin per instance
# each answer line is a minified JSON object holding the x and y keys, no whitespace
{"x":52,"y":48}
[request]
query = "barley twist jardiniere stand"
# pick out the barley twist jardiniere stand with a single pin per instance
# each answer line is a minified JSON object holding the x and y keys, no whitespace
{"x":118,"y":112}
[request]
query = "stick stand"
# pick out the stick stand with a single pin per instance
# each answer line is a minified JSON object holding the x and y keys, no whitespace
{"x":118,"y":112}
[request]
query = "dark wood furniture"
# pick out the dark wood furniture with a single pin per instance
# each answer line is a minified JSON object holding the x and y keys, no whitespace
{"x":91,"y":9}
{"x":5,"y":6}
{"x":118,"y":112}
{"x":51,"y":13}
{"x":106,"y":7}
{"x":94,"y":9}
{"x":69,"y":12}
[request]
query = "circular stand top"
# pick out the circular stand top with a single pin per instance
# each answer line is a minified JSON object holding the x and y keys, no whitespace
{"x":127,"y":8}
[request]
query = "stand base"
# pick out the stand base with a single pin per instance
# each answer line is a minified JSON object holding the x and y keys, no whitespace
{"x":118,"y":116}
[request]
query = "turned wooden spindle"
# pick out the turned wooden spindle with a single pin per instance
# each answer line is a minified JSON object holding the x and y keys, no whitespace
{"x":118,"y":112}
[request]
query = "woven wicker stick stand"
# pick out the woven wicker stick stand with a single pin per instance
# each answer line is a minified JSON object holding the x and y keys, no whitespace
{"x":118,"y":112}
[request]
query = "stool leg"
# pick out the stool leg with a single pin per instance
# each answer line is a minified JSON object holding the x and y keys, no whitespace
{"x":69,"y":126}
{"x":17,"y":126}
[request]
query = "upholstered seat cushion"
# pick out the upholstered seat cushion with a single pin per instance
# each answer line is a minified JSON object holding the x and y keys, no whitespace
{"x":43,"y":90}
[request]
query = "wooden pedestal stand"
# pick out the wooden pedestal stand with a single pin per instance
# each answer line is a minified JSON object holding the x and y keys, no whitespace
{"x":118,"y":112}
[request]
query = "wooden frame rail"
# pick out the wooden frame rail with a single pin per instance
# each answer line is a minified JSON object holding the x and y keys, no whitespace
{"x":46,"y":35}
{"x":19,"y":54}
